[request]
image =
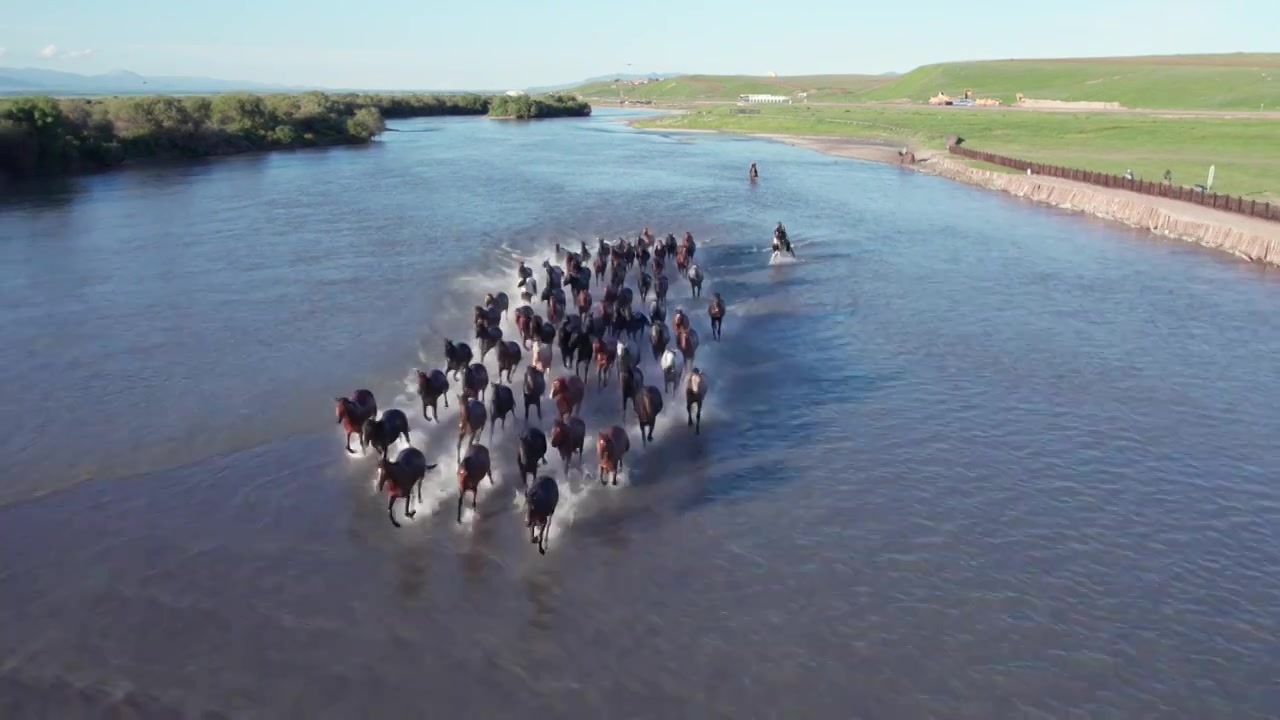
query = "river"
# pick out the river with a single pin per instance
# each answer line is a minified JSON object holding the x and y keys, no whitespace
{"x":967,"y":458}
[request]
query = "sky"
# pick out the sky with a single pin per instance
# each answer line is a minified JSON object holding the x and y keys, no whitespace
{"x":501,"y":44}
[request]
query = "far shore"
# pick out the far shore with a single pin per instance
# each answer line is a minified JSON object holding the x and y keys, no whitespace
{"x":1252,"y":239}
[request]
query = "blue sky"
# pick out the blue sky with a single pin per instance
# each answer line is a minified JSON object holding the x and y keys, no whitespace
{"x":417,"y":44}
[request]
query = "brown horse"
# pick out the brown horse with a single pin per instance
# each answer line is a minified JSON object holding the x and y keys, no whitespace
{"x":687,"y":341}
{"x":611,"y":445}
{"x":474,"y":381}
{"x":568,"y":437}
{"x":353,"y":411}
{"x":695,"y":392}
{"x":599,"y":265}
{"x":508,"y":358}
{"x":659,"y":336}
{"x":524,"y":324}
{"x":605,"y":354}
{"x":535,"y":386}
{"x":648,"y":406}
{"x":679,"y":321}
{"x":458,"y":356}
{"x":470,"y":421}
{"x":471,"y":470}
{"x":503,"y":404}
{"x":490,"y":336}
{"x":716,"y":311}
{"x":408,"y":470}
{"x":632,"y":380}
{"x":383,"y":432}
{"x":530,"y":452}
{"x":432,"y":386}
{"x":568,"y":393}
{"x":682,"y":261}
{"x":584,"y":302}
{"x":500,"y":301}
{"x":541,"y":501}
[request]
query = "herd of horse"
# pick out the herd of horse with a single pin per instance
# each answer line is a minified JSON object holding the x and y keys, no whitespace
{"x":590,"y":334}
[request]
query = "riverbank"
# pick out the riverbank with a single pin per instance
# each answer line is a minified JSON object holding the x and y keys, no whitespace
{"x":1248,"y":238}
{"x":46,"y":136}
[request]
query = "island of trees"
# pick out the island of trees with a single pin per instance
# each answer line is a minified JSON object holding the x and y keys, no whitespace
{"x":46,"y":136}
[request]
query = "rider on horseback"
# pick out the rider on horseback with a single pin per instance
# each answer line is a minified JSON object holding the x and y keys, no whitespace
{"x":781,"y":241}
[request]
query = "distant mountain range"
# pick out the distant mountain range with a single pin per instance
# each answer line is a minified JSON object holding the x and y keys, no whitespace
{"x":21,"y":81}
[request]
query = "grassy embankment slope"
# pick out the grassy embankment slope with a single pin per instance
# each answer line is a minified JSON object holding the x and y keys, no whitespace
{"x":725,"y":88}
{"x":1238,"y":81}
{"x":1246,"y":150}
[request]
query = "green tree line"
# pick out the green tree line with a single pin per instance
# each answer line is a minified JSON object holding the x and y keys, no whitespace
{"x":42,"y":135}
{"x":546,"y":106}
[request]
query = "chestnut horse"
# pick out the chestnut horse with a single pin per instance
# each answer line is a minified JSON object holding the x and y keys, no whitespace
{"x":568,"y":393}
{"x":716,"y":311}
{"x":470,"y":421}
{"x":611,"y":446}
{"x":568,"y":437}
{"x":687,"y":341}
{"x":352,"y":412}
{"x":648,"y":405}
{"x":605,"y":354}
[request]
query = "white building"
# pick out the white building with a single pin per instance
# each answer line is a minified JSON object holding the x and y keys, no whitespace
{"x":764,"y":99}
{"x":515,"y":93}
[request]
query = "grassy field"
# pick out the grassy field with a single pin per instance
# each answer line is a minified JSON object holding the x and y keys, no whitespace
{"x":1245,"y":150}
{"x":1238,"y":81}
{"x":728,"y":87}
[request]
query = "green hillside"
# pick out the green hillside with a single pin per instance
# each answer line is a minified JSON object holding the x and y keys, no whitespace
{"x":1237,"y":81}
{"x":829,"y":88}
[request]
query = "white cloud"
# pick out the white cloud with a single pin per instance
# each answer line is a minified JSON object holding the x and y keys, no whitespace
{"x":73,"y":54}
{"x":49,"y":51}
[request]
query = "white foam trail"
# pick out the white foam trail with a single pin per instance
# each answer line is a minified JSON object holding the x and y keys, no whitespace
{"x":580,"y":489}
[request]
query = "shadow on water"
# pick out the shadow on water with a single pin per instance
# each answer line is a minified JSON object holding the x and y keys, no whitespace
{"x":42,"y":194}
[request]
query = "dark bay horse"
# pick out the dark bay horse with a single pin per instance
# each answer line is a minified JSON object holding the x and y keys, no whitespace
{"x":353,"y":411}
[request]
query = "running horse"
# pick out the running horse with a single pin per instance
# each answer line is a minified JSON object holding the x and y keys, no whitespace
{"x":352,"y":412}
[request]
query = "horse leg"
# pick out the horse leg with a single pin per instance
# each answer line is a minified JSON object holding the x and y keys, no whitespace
{"x":543,"y":543}
{"x":688,"y":406}
{"x":461,"y":435}
{"x":408,"y":500}
{"x":391,"y":504}
{"x":697,"y":428}
{"x":353,"y":452}
{"x":604,"y":474}
{"x":538,"y":405}
{"x":424,"y":410}
{"x":461,"y":493}
{"x":475,"y":493}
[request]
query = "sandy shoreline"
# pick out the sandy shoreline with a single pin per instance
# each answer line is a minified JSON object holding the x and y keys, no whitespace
{"x":1252,"y":239}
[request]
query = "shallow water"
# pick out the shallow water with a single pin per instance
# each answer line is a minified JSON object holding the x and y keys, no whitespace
{"x":966,"y":458}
